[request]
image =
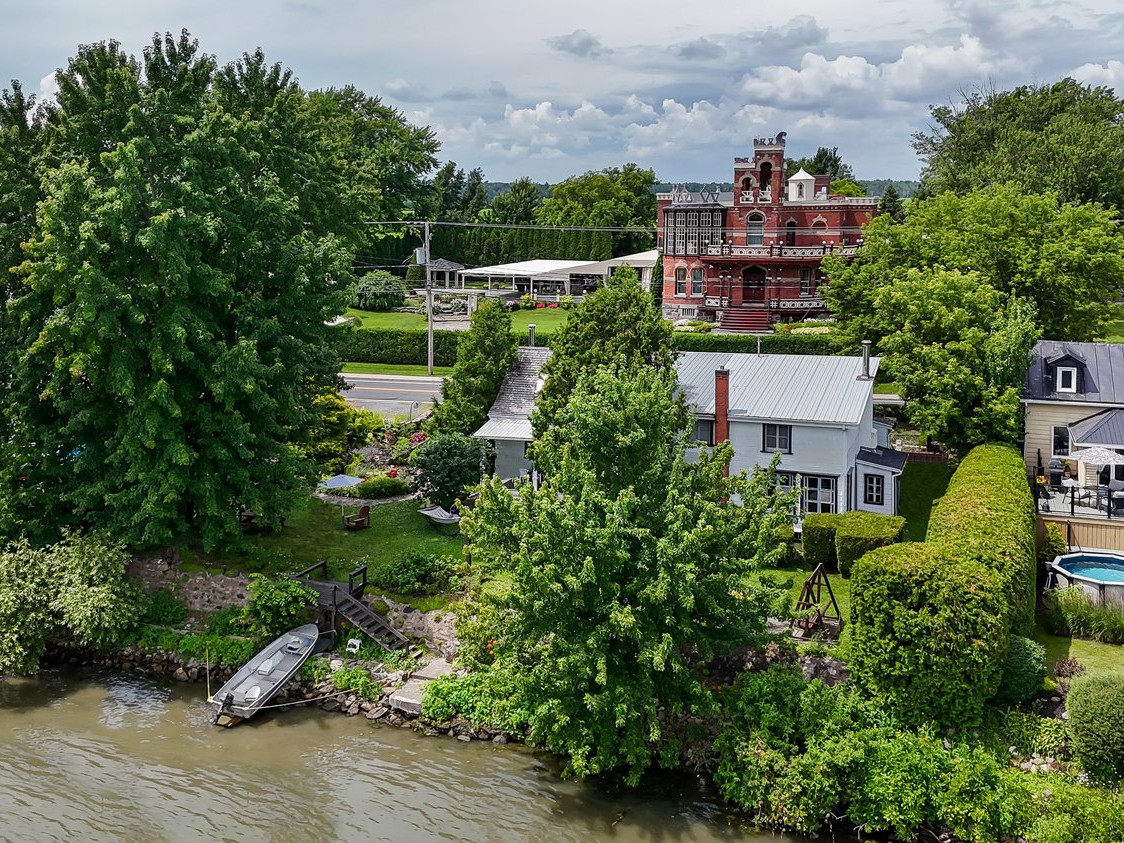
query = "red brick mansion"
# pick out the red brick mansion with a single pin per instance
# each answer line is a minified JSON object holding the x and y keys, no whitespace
{"x":752,"y":257}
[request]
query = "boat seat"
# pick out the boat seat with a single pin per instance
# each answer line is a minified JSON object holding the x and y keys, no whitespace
{"x":295,"y":645}
{"x":266,"y":667}
{"x":253,"y":694}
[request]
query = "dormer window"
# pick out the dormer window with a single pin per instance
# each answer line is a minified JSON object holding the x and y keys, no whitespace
{"x":1066,"y":379}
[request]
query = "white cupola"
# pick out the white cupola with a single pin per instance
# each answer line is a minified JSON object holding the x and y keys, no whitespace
{"x":801,"y":186}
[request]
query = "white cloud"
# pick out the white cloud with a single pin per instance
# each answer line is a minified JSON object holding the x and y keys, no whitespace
{"x":1110,"y":74}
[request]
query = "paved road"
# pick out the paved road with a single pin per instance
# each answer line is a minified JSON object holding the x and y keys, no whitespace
{"x":392,"y":395}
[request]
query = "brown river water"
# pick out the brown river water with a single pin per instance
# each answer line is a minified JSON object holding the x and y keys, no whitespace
{"x":94,"y":756}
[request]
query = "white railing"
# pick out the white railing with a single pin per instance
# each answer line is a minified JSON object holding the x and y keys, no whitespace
{"x":798,"y":304}
{"x":726,"y":250}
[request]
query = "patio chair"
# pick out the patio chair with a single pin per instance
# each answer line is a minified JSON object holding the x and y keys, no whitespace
{"x":440,"y":517}
{"x":361,"y":520}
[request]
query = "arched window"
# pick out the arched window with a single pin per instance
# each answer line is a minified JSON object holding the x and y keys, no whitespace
{"x":755,"y":230}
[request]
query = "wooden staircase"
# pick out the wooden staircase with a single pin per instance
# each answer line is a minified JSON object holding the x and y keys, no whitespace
{"x":345,"y":601}
{"x":755,"y":321}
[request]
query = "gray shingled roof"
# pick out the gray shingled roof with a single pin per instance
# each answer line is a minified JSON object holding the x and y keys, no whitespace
{"x":1103,"y":376}
{"x":516,"y":398}
{"x":1104,"y":428}
{"x":790,"y":387}
{"x":884,"y":457}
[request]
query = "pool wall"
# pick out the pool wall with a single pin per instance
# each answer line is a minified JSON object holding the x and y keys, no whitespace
{"x":1098,"y":590}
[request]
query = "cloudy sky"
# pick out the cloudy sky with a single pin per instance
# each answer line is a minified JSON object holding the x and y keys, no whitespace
{"x":552,"y":89}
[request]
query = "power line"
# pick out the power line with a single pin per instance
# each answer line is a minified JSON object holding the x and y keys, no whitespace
{"x":635,"y":229}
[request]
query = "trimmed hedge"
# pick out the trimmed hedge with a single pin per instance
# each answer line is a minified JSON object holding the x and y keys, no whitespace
{"x":928,"y":632}
{"x":857,"y":533}
{"x":408,"y":346}
{"x":1094,"y":704}
{"x":987,"y":514}
{"x":817,"y":537}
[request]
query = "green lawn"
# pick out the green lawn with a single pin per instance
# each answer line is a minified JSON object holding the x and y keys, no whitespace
{"x":547,"y":319}
{"x":888,"y":388}
{"x":922,"y":483}
{"x":840,"y":587}
{"x":1094,"y":655}
{"x":1114,"y":332}
{"x":314,"y":532}
{"x":392,"y":369}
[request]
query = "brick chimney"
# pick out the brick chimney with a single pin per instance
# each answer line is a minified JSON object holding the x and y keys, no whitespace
{"x":722,"y":407}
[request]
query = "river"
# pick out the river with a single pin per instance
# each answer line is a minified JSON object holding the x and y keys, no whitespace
{"x":97,"y":756}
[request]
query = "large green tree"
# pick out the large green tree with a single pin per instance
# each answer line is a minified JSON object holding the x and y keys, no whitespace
{"x":168,"y":325}
{"x":484,"y":354}
{"x":1067,"y":259}
{"x":517,"y":204}
{"x":826,"y":161}
{"x":614,"y":197}
{"x":619,"y":324}
{"x":628,"y":570}
{"x":1064,"y":137}
{"x":958,"y":351}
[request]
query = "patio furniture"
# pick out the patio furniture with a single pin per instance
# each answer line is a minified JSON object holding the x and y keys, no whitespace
{"x":361,"y":520}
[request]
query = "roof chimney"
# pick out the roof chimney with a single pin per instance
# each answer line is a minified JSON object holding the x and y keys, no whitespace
{"x":531,"y":335}
{"x":722,"y":406}
{"x":865,"y":376}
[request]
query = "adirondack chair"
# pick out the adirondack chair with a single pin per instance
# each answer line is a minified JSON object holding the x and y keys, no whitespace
{"x":358,"y":521}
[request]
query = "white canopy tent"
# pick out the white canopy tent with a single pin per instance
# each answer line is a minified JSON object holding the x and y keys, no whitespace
{"x":552,"y":273}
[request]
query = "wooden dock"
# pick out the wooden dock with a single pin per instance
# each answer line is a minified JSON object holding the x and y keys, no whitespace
{"x":344,"y":601}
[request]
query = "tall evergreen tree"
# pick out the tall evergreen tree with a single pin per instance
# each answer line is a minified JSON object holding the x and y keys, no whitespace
{"x":891,"y":205}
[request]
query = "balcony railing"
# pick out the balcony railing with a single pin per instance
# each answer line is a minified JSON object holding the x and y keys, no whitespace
{"x":726,"y":250}
{"x":1080,"y":501}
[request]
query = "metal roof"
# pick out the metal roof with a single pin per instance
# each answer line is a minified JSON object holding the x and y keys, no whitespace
{"x":518,"y":430}
{"x":538,"y":268}
{"x":787,"y":387}
{"x":1105,"y":428}
{"x":1102,"y":364}
{"x":885,"y":457}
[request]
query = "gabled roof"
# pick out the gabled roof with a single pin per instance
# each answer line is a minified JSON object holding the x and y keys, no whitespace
{"x":789,"y":388}
{"x":1105,"y":428}
{"x":516,"y":398}
{"x":444,"y":265}
{"x":1103,"y":380}
{"x":802,"y":175}
{"x":516,"y":430}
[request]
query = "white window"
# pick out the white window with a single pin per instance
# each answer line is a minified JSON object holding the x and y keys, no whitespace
{"x":777,"y":437}
{"x":755,"y":231}
{"x":819,"y":494}
{"x":704,"y":431}
{"x":805,"y":282}
{"x":692,"y":232}
{"x":681,"y":281}
{"x":1061,"y":441}
{"x":1067,"y":379}
{"x":696,"y":282}
{"x":873,"y":489}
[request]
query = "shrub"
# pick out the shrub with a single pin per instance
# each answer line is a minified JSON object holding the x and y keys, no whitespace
{"x":1023,"y":672}
{"x":416,"y":571}
{"x":770,"y":343}
{"x":378,"y":486}
{"x":1070,"y":612}
{"x":278,"y":605}
{"x":987,"y":514}
{"x":1068,"y":668}
{"x":1053,"y":544}
{"x":388,"y":345}
{"x":230,"y":620}
{"x":164,"y":609}
{"x":379,"y":291}
{"x":445,"y":465}
{"x":817,"y":536}
{"x":357,"y":680}
{"x":481,"y":698}
{"x":1094,"y":704}
{"x":856,"y":533}
{"x":1064,"y":812}
{"x":928,"y":632}
{"x":899,"y":783}
{"x":980,"y":799}
{"x":1027,"y":732}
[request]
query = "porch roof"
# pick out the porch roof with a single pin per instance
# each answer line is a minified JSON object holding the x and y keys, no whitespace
{"x":1105,"y":429}
{"x":516,"y":430}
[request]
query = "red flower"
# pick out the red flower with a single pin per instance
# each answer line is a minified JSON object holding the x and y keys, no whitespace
{"x":392,"y":473}
{"x":540,"y":304}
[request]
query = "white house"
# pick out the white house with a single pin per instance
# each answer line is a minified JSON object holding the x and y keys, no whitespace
{"x":817,"y":411}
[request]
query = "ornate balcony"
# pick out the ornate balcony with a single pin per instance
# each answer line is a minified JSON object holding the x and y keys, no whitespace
{"x":726,"y":250}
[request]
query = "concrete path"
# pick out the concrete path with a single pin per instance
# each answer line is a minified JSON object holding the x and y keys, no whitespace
{"x":408,"y":698}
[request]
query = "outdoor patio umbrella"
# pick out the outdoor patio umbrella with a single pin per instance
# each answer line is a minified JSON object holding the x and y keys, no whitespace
{"x":340,"y":481}
{"x":1097,"y":456}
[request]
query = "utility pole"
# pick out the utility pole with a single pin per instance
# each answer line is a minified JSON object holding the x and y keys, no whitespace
{"x":428,"y":306}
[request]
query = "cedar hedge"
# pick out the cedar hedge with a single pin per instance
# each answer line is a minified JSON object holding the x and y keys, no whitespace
{"x":1094,"y":704}
{"x":928,"y":632}
{"x":817,"y":537}
{"x":408,"y":346}
{"x":987,"y":514}
{"x":857,"y":533}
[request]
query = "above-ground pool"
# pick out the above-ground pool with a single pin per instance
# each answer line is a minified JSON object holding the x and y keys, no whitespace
{"x":1100,"y":573}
